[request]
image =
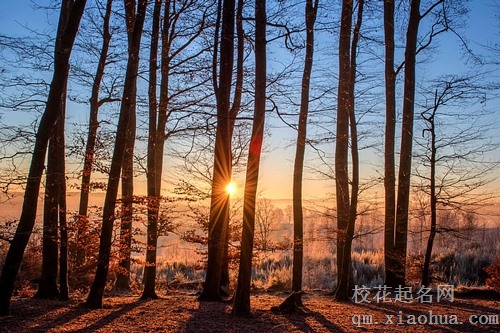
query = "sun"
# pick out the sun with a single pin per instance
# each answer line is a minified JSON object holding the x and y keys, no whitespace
{"x":231,"y":188}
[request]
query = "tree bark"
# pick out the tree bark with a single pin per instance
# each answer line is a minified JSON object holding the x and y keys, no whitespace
{"x":390,"y":135}
{"x":341,"y":152}
{"x":233,"y":113}
{"x":94,"y":299}
{"x":63,"y":223}
{"x":353,"y":208}
{"x":426,"y":279}
{"x":242,"y":297}
{"x":298,"y":168}
{"x":127,"y":212}
{"x":401,"y":228}
{"x":45,"y":129}
{"x":91,"y":138}
{"x":47,"y":289}
{"x":157,"y":126}
{"x":127,"y":175}
{"x":219,"y":212}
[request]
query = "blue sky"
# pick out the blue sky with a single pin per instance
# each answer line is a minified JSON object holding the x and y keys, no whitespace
{"x":17,"y":14}
{"x":483,"y":28}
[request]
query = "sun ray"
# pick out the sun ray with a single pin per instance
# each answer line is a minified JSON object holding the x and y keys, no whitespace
{"x":231,"y":188}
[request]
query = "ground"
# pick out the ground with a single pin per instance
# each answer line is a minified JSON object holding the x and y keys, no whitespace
{"x":181,"y":312}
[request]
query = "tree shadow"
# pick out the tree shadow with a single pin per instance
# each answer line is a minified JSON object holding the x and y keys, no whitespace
{"x":469,"y":307}
{"x":26,"y":311}
{"x":62,"y":319}
{"x":437,"y":309}
{"x":305,"y":322}
{"x":217,"y":317}
{"x":24,"y":319}
{"x":35,"y":307}
{"x":220,"y":313}
{"x":124,"y":309}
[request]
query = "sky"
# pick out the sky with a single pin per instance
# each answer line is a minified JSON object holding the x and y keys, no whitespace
{"x":17,"y":16}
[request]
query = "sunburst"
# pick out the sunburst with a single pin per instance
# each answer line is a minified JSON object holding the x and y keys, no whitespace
{"x":231,"y":188}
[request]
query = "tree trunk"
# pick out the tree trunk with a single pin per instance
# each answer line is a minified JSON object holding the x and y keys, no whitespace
{"x":94,"y":299}
{"x":401,"y":229}
{"x":47,"y":289}
{"x":123,"y":279}
{"x":426,"y":279}
{"x":233,"y":113}
{"x":63,"y":224}
{"x":298,"y":169}
{"x":390,"y":134}
{"x":242,"y":296}
{"x":341,"y":153}
{"x":127,"y":173}
{"x":46,"y":127}
{"x":219,"y":212}
{"x":63,"y":253}
{"x":55,"y":216}
{"x":353,"y":209}
{"x":153,"y":204}
{"x":158,"y":118}
{"x":91,"y":139}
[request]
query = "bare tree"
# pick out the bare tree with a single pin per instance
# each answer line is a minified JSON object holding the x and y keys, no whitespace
{"x":294,"y":301}
{"x":347,"y":197}
{"x":127,"y":173}
{"x":72,"y":11}
{"x":266,"y":218}
{"x":62,"y":205}
{"x":55,"y":175}
{"x":94,"y":299}
{"x":241,"y":304}
{"x":219,"y":213}
{"x":457,"y":168}
{"x":183,"y":26}
{"x":90,"y":146}
{"x":403,"y":190}
{"x":396,"y":220}
{"x":390,"y":142}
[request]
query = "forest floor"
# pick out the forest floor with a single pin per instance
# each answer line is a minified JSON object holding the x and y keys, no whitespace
{"x":181,"y":312}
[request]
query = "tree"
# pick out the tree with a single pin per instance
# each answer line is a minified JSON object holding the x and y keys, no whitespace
{"x":73,"y":11}
{"x":396,"y":220}
{"x":127,"y":174}
{"x":266,"y":217}
{"x":390,"y":142}
{"x":353,"y":131}
{"x":63,"y":223}
{"x":311,"y":10}
{"x":347,"y":197}
{"x":90,"y":145}
{"x":236,"y":152}
{"x":341,"y":146}
{"x":183,"y":27}
{"x":403,"y":191}
{"x":55,"y":179}
{"x":219,"y":213}
{"x":241,"y":304}
{"x":94,"y":299}
{"x":455,"y":160}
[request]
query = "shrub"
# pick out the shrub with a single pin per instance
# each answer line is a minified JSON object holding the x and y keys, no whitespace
{"x":464,"y":266}
{"x":368,"y":268}
{"x":493,"y":271}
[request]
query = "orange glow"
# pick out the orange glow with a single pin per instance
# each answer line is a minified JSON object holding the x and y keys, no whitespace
{"x":231,"y":188}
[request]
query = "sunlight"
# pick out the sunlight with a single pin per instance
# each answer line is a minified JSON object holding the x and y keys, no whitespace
{"x":231,"y":188}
